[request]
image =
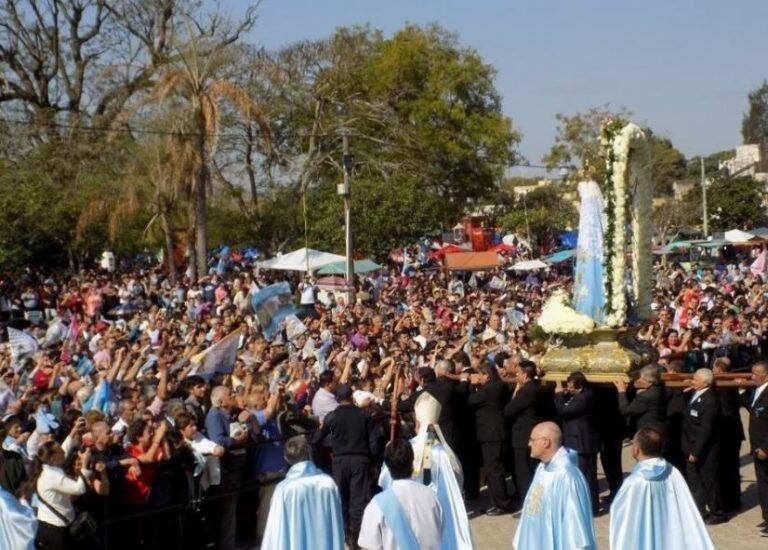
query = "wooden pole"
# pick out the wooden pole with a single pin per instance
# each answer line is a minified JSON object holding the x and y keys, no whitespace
{"x":393,"y":405}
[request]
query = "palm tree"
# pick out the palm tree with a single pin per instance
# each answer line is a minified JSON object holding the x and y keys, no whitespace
{"x":154,"y":180}
{"x":195,"y":86}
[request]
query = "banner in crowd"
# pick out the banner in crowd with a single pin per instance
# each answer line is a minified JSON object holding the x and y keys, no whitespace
{"x":21,"y":343}
{"x":219,"y":358}
{"x":294,"y":327}
{"x":272,"y":305}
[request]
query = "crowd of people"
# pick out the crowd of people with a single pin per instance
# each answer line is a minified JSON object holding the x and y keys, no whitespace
{"x":112,"y":437}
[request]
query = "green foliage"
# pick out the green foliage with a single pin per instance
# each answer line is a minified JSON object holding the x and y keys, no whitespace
{"x":42,"y":196}
{"x":711,"y":163}
{"x":577,"y":143}
{"x":386,"y":214}
{"x":668,"y":164}
{"x":426,"y":129}
{"x":733,"y":203}
{"x":544,"y":212}
{"x":754,"y":125}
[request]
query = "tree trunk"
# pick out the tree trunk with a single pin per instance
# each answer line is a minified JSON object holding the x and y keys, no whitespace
{"x":201,"y":213}
{"x":250,"y":170}
{"x":191,"y":233}
{"x":172,"y":273}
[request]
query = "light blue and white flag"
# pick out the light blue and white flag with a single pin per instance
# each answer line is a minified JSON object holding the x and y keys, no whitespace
{"x":219,"y":358}
{"x":272,"y":305}
{"x":22,"y":344}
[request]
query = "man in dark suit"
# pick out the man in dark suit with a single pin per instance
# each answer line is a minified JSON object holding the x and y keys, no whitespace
{"x":524,"y":411}
{"x":649,"y":407}
{"x":612,"y":430}
{"x":576,"y":408}
{"x":488,"y":400}
{"x":445,"y":390}
{"x":756,"y":402}
{"x":700,"y":446}
{"x":731,"y":433}
{"x":467,"y":447}
{"x":353,"y":443}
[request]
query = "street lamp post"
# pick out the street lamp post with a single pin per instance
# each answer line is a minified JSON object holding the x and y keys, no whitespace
{"x":705,"y":223}
{"x":343,"y":189}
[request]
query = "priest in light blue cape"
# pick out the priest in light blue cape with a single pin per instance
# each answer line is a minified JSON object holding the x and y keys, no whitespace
{"x":654,"y":509}
{"x":436,"y":466}
{"x":305,"y":511}
{"x":18,"y":525}
{"x":557,"y":512}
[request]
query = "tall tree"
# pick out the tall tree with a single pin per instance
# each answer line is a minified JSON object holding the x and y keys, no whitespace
{"x":541,"y":214}
{"x":577,"y":143}
{"x":754,"y":125}
{"x":733,"y":203}
{"x":196,"y":87}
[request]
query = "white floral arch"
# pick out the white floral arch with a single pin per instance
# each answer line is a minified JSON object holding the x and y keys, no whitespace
{"x":628,"y":201}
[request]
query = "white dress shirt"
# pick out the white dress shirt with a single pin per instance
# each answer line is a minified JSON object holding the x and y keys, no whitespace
{"x":203,"y":449}
{"x":57,"y":489}
{"x":422,"y":511}
{"x":323,"y":403}
{"x":758,"y":392}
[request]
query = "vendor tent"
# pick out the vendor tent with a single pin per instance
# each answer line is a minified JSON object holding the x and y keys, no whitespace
{"x":561,"y":256}
{"x":300,"y":259}
{"x":737,"y":236}
{"x":332,"y":283}
{"x":340,"y":268}
{"x":529,"y":265}
{"x":471,"y":261}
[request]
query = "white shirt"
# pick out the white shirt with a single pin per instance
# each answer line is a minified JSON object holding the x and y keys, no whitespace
{"x":323,"y":403}
{"x":698,"y":394}
{"x":308,"y":295}
{"x":422,"y":510}
{"x":203,"y":446}
{"x":758,"y":392}
{"x":57,"y":489}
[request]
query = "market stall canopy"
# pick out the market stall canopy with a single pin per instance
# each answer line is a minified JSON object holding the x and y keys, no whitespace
{"x":561,"y":256}
{"x":714,"y":243}
{"x":299,"y":259}
{"x":340,"y":268}
{"x":332,"y":283}
{"x":444,"y":250}
{"x":472,"y":261}
{"x":503,"y":248}
{"x":737,"y":236}
{"x":529,"y":265}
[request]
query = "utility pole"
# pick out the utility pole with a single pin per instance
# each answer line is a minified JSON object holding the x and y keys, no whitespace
{"x":347,"y":162}
{"x":704,"y":199}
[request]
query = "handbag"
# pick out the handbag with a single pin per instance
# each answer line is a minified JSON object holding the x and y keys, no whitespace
{"x":83,"y":527}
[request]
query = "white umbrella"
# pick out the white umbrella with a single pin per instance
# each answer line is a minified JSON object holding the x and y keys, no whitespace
{"x":739,"y":236}
{"x":300,"y":259}
{"x":529,"y":265}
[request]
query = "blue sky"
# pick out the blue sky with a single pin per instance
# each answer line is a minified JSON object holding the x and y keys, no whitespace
{"x":684,"y":67}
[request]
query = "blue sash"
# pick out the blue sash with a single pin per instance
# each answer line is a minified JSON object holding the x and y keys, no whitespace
{"x":394,"y":515}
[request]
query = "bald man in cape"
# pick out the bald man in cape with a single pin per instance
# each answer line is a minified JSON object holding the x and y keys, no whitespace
{"x":557,"y":512}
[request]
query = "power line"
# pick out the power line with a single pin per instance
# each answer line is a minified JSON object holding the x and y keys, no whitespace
{"x":145,"y":131}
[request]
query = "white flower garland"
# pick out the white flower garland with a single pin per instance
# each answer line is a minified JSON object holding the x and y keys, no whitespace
{"x":630,"y":150}
{"x":558,"y":317}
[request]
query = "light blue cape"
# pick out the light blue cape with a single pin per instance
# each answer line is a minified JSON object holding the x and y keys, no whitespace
{"x":654,"y":510}
{"x":446,"y":483}
{"x":557,"y":512}
{"x":305,"y":512}
{"x":18,"y":525}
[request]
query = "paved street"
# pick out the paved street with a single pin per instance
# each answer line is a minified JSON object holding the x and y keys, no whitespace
{"x":739,"y":533}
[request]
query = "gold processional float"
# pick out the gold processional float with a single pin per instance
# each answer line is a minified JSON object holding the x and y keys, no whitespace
{"x":597,"y":327}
